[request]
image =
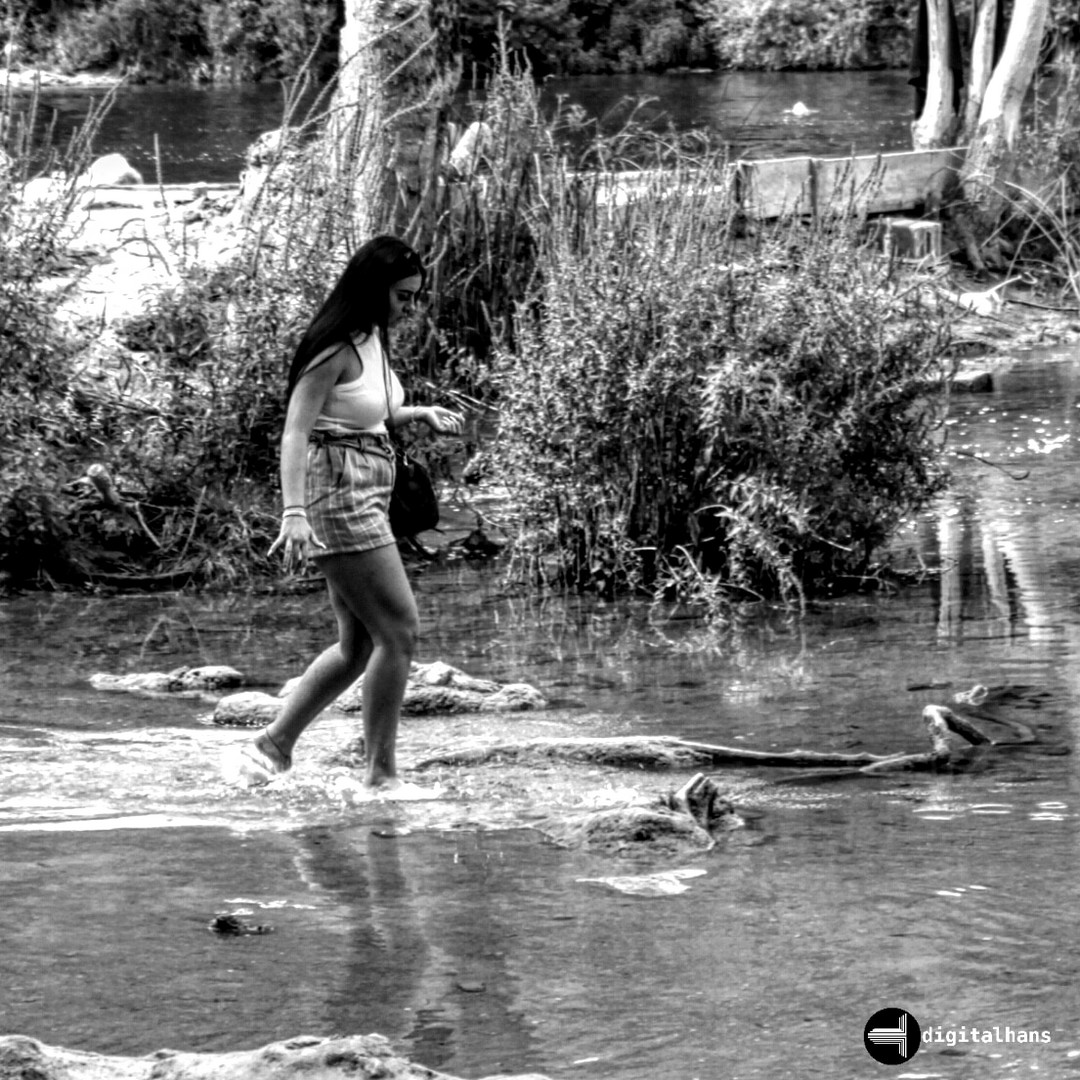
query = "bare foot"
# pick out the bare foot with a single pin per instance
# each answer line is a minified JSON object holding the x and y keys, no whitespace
{"x":255,"y":763}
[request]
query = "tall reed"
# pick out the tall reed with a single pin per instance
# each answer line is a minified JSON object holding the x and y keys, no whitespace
{"x":695,"y":411}
{"x":1043,"y":222}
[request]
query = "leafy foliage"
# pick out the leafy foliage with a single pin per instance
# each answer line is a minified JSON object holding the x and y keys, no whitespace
{"x":775,"y":34}
{"x":252,"y":39}
{"x":691,"y":412}
{"x":224,"y":40}
{"x":1041,"y":227}
{"x":35,"y":354}
{"x":580,"y":37}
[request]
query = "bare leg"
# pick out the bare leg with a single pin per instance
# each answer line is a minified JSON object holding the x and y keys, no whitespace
{"x":375,"y":591}
{"x":377,"y":628}
{"x":330,"y":674}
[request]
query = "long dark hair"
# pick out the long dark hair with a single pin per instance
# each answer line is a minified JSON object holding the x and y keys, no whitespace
{"x":359,"y":302}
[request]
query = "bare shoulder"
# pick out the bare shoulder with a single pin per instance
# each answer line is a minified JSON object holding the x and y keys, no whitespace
{"x":330,"y":366}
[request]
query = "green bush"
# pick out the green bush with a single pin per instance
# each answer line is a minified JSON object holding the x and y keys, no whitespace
{"x":821,"y":440}
{"x":35,"y":351}
{"x":187,"y":428}
{"x":690,"y":413}
{"x":161,"y":40}
{"x":582,"y":36}
{"x":250,"y":40}
{"x":158,"y":39}
{"x":782,"y":34}
{"x":1042,"y":228}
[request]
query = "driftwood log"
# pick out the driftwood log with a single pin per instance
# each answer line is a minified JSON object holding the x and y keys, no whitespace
{"x":668,"y":752}
{"x":698,"y":815}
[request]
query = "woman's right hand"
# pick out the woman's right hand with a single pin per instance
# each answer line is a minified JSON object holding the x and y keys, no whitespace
{"x":296,"y":541}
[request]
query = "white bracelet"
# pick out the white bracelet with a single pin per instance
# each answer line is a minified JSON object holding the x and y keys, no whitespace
{"x":294,"y":513}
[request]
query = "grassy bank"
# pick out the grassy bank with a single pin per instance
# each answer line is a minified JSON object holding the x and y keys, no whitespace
{"x":687,"y":404}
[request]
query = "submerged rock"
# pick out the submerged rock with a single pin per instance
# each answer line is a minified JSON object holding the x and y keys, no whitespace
{"x":679,"y":822}
{"x":180,"y":680}
{"x":109,"y":170}
{"x":435,"y":689}
{"x":313,"y":1058}
{"x":251,"y":708}
{"x":439,"y":689}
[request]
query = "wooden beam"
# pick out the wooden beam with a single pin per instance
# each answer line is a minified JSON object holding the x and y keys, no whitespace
{"x":876,"y":183}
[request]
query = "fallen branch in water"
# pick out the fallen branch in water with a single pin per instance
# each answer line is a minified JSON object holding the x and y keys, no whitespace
{"x":668,"y":752}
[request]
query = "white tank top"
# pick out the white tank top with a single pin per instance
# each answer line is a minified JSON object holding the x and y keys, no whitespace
{"x":360,"y":404}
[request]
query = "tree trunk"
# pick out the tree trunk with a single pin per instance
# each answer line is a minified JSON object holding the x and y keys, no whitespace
{"x":356,"y":145}
{"x":398,"y":73}
{"x":937,"y":122}
{"x":988,"y":164}
{"x":984,"y":50}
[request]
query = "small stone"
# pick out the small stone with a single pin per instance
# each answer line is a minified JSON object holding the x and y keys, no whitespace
{"x":250,"y":708}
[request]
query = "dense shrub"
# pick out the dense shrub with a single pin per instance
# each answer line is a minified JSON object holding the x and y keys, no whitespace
{"x":775,"y":34}
{"x":690,"y":413}
{"x":160,"y":39}
{"x":1042,"y":228}
{"x":223,"y":40}
{"x":582,"y":36}
{"x":680,"y":408}
{"x":35,"y":352}
{"x":254,"y":39}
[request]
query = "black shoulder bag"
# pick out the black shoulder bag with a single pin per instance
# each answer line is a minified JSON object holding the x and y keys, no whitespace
{"x":414,"y":507}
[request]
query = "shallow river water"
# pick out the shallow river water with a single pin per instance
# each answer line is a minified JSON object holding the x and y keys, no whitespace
{"x":201,"y":133}
{"x":481,"y":951}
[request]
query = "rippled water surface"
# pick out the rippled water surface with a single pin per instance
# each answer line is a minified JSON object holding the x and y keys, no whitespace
{"x":481,"y":952}
{"x":202,"y":132}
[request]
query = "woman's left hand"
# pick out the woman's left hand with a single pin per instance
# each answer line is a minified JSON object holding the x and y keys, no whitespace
{"x":440,"y":420}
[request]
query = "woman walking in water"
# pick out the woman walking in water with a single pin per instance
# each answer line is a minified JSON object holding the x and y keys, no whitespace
{"x":337,"y":470}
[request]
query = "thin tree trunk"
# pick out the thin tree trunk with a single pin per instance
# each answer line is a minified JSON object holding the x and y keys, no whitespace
{"x":397,"y":74}
{"x":989,"y":159}
{"x":982,"y":63}
{"x":356,"y":145}
{"x":937,"y":122}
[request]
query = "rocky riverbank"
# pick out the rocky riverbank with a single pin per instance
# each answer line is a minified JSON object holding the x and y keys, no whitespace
{"x":22,"y":1058}
{"x":125,"y":244}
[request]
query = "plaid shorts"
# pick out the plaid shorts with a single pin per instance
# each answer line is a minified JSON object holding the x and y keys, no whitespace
{"x":349,"y":480}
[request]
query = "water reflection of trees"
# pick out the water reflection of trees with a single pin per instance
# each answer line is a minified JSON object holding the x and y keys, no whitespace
{"x":1003,"y":533}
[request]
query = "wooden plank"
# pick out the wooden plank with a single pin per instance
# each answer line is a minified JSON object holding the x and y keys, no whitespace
{"x":772,"y":187}
{"x":884,"y":183}
{"x":619,"y":189}
{"x":880,"y":183}
{"x":198,"y":185}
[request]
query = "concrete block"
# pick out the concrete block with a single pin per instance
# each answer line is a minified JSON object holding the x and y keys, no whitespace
{"x":910,"y":239}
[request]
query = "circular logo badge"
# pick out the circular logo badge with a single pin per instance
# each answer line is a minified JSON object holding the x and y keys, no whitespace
{"x":892,"y":1036}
